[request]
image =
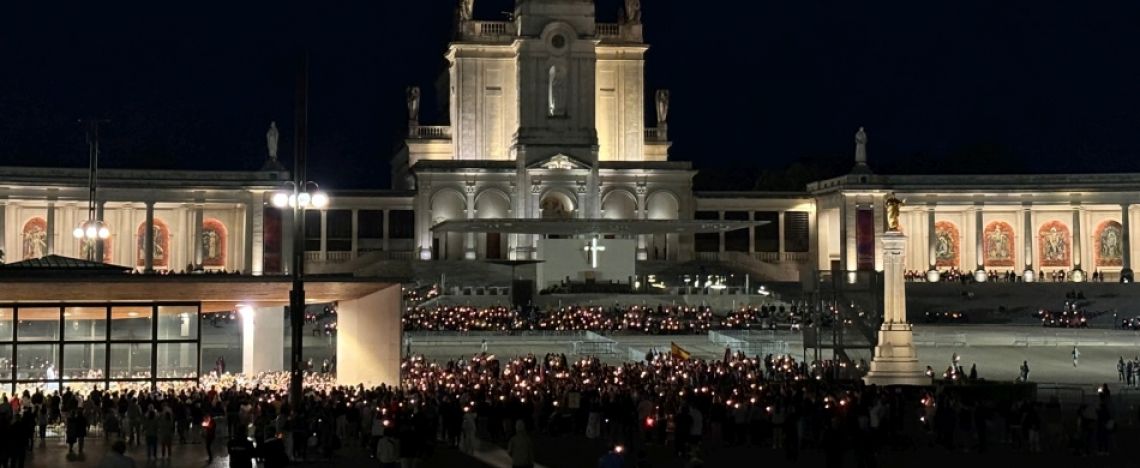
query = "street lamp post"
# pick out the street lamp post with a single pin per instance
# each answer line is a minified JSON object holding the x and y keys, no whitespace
{"x":92,"y":231}
{"x":303,"y":195}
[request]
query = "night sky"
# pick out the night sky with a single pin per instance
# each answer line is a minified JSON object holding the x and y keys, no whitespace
{"x":963,"y":86}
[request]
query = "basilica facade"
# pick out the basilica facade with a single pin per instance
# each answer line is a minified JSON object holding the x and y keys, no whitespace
{"x":547,"y":121}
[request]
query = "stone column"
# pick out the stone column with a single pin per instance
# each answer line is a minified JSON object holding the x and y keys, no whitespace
{"x":324,"y":252}
{"x":931,"y":237}
{"x":257,"y":235}
{"x":287,"y":220}
{"x":99,"y":244}
{"x":1126,"y":236}
{"x":979,"y":245}
{"x":642,"y":213}
{"x":50,"y":247}
{"x":780,"y":230}
{"x":148,"y":239}
{"x":469,"y":238}
{"x":199,"y":218}
{"x":844,"y":264}
{"x":1027,"y":237}
{"x":262,"y":340}
{"x":368,"y":330}
{"x":1077,"y":251}
{"x":355,"y":233}
{"x":896,"y":359}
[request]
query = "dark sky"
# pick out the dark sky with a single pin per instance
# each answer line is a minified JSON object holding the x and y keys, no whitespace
{"x":955,"y":86}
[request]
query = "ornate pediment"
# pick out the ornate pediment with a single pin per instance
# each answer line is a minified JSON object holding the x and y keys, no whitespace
{"x":560,"y":162}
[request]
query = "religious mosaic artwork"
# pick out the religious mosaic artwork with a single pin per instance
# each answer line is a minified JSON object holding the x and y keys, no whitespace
{"x":1054,"y":244}
{"x":998,"y":243}
{"x":87,"y":250}
{"x":161,"y":245}
{"x":34,"y":238}
{"x":1109,"y":239}
{"x":946,"y":247}
{"x":213,"y":243}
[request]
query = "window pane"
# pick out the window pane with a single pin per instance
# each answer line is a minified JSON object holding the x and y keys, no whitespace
{"x":5,"y":362}
{"x":6,"y":324}
{"x":178,"y":322}
{"x":402,"y":224}
{"x":38,"y":324}
{"x":130,"y":360}
{"x":85,"y":323}
{"x":131,"y":323}
{"x":177,"y":360}
{"x":83,"y":361}
{"x":37,"y":362}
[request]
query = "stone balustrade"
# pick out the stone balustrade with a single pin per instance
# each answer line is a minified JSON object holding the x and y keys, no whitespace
{"x":432,"y":132}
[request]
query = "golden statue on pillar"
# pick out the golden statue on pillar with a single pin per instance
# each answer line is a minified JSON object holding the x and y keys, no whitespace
{"x":893,"y":204}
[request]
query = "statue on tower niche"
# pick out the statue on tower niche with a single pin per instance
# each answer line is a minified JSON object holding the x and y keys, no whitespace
{"x":413,"y":106}
{"x":632,"y":11}
{"x":893,"y":204}
{"x":271,"y":140}
{"x":556,"y":83}
{"x":861,"y":146}
{"x":662,"y":106}
{"x":466,"y":10}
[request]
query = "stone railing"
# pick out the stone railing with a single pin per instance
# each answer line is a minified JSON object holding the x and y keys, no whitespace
{"x":654,"y":134}
{"x":778,"y":257}
{"x":432,"y":132}
{"x":609,"y":30}
{"x":491,"y":28}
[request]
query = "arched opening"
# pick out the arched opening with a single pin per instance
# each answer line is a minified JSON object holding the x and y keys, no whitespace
{"x":556,"y":205}
{"x":492,"y":204}
{"x":447,"y":205}
{"x":663,"y":205}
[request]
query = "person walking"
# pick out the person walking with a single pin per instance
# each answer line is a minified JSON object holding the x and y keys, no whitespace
{"x":1024,"y":371}
{"x":208,"y":434}
{"x":166,"y":434}
{"x":76,"y":431}
{"x":1120,"y":369}
{"x":150,"y":434}
{"x":1076,"y":356}
{"x":387,"y":451}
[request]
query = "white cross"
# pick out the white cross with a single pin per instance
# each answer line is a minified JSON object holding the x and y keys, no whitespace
{"x":592,"y":252}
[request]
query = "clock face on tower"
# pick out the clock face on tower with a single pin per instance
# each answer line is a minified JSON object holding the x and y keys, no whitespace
{"x":558,"y":41}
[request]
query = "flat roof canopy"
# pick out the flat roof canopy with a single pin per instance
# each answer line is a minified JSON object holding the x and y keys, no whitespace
{"x":592,"y":226}
{"x":217,"y":293}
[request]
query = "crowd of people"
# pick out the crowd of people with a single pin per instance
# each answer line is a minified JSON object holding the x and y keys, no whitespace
{"x":664,"y":400}
{"x":662,"y":319}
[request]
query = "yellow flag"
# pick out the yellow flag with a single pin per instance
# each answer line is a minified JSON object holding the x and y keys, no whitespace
{"x":678,"y":352}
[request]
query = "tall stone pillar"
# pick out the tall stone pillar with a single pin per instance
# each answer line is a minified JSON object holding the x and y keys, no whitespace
{"x":262,"y":340}
{"x":148,"y":239}
{"x":896,"y":359}
{"x":368,"y":339}
{"x":720,"y":241}
{"x":1126,"y":270}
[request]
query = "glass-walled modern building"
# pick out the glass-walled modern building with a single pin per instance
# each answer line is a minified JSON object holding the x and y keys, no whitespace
{"x":93,"y":345}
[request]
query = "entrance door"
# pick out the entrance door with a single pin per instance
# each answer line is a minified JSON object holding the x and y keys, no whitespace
{"x":494,"y":245}
{"x":435,"y":251}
